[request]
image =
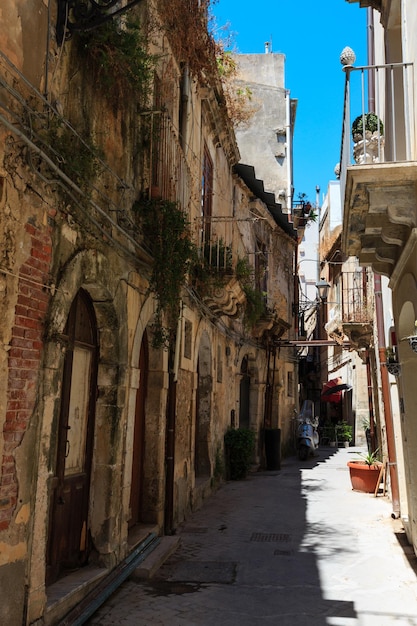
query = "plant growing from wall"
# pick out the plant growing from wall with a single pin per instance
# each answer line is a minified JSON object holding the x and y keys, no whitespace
{"x":213,"y":266}
{"x":119,"y":59}
{"x":78,"y":158}
{"x":238,"y":97}
{"x":166,"y":231}
{"x":255,"y":306}
{"x":244,"y":270}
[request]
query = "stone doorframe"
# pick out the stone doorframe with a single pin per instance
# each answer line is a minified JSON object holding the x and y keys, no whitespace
{"x":155,"y":414}
{"x":91,"y":271}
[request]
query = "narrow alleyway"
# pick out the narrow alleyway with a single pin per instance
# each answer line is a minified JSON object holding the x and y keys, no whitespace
{"x":295,"y":547}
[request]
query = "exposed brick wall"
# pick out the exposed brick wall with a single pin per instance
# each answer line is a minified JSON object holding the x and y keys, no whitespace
{"x":24,"y":361}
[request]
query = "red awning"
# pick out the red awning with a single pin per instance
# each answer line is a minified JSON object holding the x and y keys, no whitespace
{"x":330,"y":393}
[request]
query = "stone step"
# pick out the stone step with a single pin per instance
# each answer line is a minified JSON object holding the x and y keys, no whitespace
{"x":156,"y":558}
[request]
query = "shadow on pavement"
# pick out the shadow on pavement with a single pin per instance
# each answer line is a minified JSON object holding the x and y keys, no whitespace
{"x":256,"y":529}
{"x":280,"y":547}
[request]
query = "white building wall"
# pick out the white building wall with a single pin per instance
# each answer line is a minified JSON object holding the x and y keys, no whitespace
{"x":264,"y":141}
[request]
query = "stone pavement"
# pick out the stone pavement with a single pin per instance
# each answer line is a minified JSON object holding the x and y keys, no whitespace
{"x":295,"y":547}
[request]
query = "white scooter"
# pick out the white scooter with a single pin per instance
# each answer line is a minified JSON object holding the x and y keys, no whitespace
{"x":307,"y":437}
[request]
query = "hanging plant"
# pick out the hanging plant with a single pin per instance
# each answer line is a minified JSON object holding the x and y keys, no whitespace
{"x":167,"y":234}
{"x":255,"y":306}
{"x":186,"y":25}
{"x":118,"y":57}
{"x":78,"y":158}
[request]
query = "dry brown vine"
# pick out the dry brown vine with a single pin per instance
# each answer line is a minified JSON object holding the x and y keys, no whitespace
{"x":188,"y":26}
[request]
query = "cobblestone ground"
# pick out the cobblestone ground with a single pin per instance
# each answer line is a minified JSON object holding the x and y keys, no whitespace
{"x":296,"y":547}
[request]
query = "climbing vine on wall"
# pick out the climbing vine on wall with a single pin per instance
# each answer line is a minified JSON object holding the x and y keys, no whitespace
{"x":255,"y":305}
{"x":79,"y":158}
{"x":189,"y":27}
{"x":118,"y":56}
{"x":166,"y":231}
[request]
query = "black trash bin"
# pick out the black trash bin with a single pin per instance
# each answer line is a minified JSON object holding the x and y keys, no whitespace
{"x":273,"y":448}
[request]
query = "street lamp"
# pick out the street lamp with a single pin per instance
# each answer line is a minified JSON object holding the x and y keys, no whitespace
{"x":323,"y":289}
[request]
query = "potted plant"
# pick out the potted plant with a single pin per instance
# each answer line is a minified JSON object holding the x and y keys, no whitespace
{"x":365,"y":472}
{"x":392,"y":363}
{"x":368,"y":138}
{"x":240,"y":446}
{"x":372,"y":125}
{"x":344,"y":433}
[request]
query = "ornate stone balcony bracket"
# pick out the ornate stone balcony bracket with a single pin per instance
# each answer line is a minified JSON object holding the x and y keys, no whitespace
{"x":412,"y":340}
{"x":394,"y":368}
{"x":226,"y":300}
{"x":83,"y":15}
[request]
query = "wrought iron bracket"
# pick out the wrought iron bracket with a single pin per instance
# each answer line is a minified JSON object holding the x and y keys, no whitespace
{"x":83,"y":15}
{"x":413,"y":342}
{"x":394,"y":368}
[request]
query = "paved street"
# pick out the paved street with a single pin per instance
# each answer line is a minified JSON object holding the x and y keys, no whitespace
{"x":295,"y":547}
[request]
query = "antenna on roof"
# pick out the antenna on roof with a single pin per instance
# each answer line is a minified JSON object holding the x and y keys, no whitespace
{"x":268,"y":46}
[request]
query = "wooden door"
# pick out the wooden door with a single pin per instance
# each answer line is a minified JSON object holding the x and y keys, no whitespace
{"x":136,"y":489}
{"x":69,"y":529}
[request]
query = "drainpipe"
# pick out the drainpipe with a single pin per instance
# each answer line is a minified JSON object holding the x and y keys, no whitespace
{"x":370,"y":403}
{"x":296,"y":292}
{"x":392,"y":457}
{"x":379,"y":311}
{"x":173,"y":366}
{"x":289,"y":150}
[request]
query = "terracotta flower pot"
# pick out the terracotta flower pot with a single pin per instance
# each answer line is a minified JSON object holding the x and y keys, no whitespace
{"x":364,"y":477}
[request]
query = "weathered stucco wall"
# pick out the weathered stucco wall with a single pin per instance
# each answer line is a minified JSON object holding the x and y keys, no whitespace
{"x":262,"y":142}
{"x":63,"y":230}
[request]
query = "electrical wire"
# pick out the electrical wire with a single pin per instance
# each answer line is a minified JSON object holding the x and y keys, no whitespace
{"x":75,"y":192}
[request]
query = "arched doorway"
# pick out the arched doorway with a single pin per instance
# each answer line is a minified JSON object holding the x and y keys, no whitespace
{"x":244,"y":394}
{"x":68,"y":539}
{"x":203,"y":409}
{"x":136,"y":489}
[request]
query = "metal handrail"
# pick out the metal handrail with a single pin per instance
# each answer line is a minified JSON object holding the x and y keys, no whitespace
{"x":394,"y":107}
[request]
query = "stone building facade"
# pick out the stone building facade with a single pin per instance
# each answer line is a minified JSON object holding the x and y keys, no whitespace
{"x":379,"y":225}
{"x":106,"y":434}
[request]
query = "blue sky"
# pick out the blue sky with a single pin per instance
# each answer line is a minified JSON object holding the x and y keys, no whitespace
{"x":312,"y":36}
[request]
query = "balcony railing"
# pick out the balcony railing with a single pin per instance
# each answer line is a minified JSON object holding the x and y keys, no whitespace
{"x":356,"y":308}
{"x":386,"y":91}
{"x":170,"y":174}
{"x":216,"y":255}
